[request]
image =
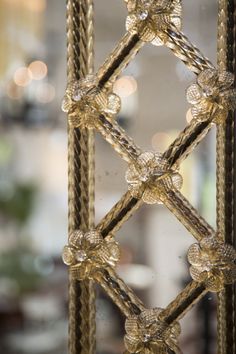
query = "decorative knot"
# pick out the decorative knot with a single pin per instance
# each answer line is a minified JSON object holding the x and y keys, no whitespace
{"x":87,"y":252}
{"x":83,"y":101}
{"x":146,"y":333}
{"x":214,"y":262}
{"x":213,"y":94}
{"x":149,"y":18}
{"x":150,"y":177}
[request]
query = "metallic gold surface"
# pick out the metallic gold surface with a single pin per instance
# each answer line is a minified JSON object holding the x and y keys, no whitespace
{"x":187,"y":141}
{"x":80,"y":176}
{"x":212,"y":259}
{"x":116,"y":62}
{"x":147,"y":333}
{"x":120,"y":213}
{"x":119,"y":292}
{"x":186,"y":51}
{"x":92,"y":253}
{"x":150,"y":176}
{"x":149,"y":19}
{"x":118,"y":138}
{"x":184,"y":301}
{"x":187,"y":214}
{"x":226,"y":320}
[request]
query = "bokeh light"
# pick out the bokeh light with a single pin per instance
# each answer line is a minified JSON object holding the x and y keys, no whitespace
{"x":22,"y":76}
{"x":36,"y":5}
{"x":31,"y":5}
{"x":38,"y":70}
{"x":125,"y":86}
{"x":45,"y":93}
{"x":160,"y":141}
{"x":13,"y":91}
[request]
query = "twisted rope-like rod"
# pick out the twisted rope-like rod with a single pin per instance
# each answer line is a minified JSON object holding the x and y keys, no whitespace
{"x":119,"y":292}
{"x":117,"y":138}
{"x":87,"y":292}
{"x":220,"y":170}
{"x":90,"y":37}
{"x":184,"y":301}
{"x":186,"y":51}
{"x":187,"y":214}
{"x":186,"y":142}
{"x":124,"y":52}
{"x":221,"y":322}
{"x":81,"y":167}
{"x":80,"y":175}
{"x":220,"y":180}
{"x":226,"y":313}
{"x":230,"y":213}
{"x":119,"y":214}
{"x":72,"y":72}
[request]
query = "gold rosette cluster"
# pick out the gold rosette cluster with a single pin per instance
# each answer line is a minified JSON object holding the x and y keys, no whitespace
{"x":213,"y":95}
{"x":83,"y":102}
{"x":149,"y":18}
{"x":146,"y":334}
{"x":87,"y":252}
{"x":214,"y":262}
{"x":150,"y":177}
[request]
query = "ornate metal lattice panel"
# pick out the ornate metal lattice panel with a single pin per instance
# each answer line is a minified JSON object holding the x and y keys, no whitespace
{"x":92,"y":252}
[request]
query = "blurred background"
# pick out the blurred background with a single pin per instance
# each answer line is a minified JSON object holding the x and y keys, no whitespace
{"x":33,"y":176}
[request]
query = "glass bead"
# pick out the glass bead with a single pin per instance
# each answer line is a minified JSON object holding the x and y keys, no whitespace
{"x":194,"y":93}
{"x":113,"y":104}
{"x":146,"y":331}
{"x":84,"y":102}
{"x":68,"y":255}
{"x":89,"y":251}
{"x":212,"y":96}
{"x":149,"y":176}
{"x":150,"y":18}
{"x":94,"y":237}
{"x":75,"y":237}
{"x":226,"y":79}
{"x":212,"y":260}
{"x":207,"y":78}
{"x":80,"y":255}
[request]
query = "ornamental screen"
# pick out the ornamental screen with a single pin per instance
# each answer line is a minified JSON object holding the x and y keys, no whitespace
{"x":92,"y":252}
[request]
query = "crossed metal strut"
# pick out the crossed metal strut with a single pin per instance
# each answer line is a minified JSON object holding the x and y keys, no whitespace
{"x":151,"y":177}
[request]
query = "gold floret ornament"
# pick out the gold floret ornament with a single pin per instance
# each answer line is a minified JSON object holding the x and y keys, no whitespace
{"x":150,"y":177}
{"x":149,"y":19}
{"x":84,"y":101}
{"x":146,"y":334}
{"x":88,"y":252}
{"x":212,"y":96}
{"x":213,"y":262}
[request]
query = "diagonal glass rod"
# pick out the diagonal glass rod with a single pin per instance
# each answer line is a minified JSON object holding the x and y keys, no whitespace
{"x":119,"y":292}
{"x":119,"y":214}
{"x":187,"y":141}
{"x":117,"y":138}
{"x":187,"y":214}
{"x":184,"y":301}
{"x":186,"y":51}
{"x":115,"y":63}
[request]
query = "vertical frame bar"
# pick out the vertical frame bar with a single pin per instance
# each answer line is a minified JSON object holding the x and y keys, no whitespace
{"x":226,"y":162}
{"x":80,"y":175}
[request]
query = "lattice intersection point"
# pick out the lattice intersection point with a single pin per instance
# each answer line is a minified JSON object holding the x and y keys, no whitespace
{"x":152,"y":177}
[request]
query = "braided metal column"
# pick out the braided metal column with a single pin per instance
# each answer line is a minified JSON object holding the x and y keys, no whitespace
{"x":80,"y":175}
{"x":226,"y":158}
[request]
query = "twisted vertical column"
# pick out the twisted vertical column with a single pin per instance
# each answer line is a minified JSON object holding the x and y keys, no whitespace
{"x":80,"y":175}
{"x":226,"y":177}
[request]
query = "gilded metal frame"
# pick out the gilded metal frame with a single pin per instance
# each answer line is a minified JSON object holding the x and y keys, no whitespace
{"x":92,"y":252}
